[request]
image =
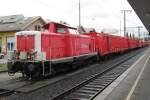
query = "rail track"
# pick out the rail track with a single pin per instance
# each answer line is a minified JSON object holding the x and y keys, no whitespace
{"x":5,"y":92}
{"x":56,"y":88}
{"x":89,"y":89}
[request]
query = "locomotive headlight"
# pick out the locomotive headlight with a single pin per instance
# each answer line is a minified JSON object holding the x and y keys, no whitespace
{"x":28,"y":57}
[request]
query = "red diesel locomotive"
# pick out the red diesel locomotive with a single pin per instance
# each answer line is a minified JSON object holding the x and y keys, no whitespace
{"x":44,"y":53}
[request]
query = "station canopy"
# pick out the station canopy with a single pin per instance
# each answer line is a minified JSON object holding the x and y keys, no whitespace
{"x":142,"y":9}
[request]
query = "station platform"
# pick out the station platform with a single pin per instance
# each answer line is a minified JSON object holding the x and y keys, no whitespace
{"x":133,"y":84}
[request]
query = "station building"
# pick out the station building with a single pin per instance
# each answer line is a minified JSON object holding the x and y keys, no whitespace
{"x":9,"y":25}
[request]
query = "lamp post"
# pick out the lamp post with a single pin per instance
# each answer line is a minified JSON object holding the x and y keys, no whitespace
{"x":124,"y":13}
{"x":79,"y":14}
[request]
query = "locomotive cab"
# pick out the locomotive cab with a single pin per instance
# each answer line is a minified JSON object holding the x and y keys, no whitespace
{"x":27,"y":52}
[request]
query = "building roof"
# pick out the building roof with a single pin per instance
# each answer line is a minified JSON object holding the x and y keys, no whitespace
{"x":16,"y":22}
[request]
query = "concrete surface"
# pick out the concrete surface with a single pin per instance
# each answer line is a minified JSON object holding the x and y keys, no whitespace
{"x":133,"y":84}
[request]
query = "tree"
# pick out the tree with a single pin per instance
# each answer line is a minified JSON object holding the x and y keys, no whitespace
{"x":127,"y":34}
{"x":133,"y":36}
{"x":130,"y":35}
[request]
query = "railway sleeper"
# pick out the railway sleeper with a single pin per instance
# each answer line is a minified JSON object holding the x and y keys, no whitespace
{"x":80,"y":95}
{"x":85,"y":91}
{"x":4,"y":92}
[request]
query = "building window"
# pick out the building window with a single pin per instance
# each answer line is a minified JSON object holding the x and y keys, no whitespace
{"x":10,"y":43}
{"x":37,"y":27}
{"x":10,"y":46}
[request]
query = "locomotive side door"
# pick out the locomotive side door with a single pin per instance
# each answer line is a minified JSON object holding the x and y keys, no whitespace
{"x":46,"y":45}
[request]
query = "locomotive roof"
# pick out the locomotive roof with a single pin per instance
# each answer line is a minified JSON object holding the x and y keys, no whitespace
{"x":59,"y":24}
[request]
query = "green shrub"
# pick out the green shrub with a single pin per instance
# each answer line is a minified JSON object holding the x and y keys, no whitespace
{"x":3,"y":67}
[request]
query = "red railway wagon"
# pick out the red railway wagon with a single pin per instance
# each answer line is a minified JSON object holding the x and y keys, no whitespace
{"x":103,"y":44}
{"x":132,"y":43}
{"x":118,"y":44}
{"x":142,"y":43}
{"x":106,"y":43}
{"x":145,"y":43}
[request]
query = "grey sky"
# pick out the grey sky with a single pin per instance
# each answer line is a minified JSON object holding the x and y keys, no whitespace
{"x":99,"y":14}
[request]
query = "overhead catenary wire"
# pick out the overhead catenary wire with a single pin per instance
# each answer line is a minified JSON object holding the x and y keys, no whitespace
{"x":116,"y":14}
{"x":108,"y":2}
{"x":41,"y":3}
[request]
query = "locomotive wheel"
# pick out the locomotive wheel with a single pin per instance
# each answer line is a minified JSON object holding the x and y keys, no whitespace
{"x":33,"y":70}
{"x":37,"y":72}
{"x":13,"y":68}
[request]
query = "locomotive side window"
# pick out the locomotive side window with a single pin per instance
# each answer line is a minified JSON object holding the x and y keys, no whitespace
{"x":60,"y":30}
